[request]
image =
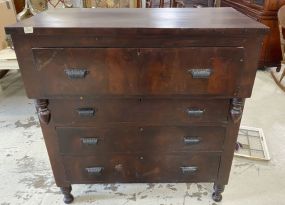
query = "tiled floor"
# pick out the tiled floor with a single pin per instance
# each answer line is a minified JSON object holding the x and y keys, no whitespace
{"x":26,"y":178}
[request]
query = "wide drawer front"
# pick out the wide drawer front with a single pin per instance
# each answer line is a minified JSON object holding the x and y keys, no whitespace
{"x":190,"y":167}
{"x":135,"y":71}
{"x":139,"y":139}
{"x":144,"y":111}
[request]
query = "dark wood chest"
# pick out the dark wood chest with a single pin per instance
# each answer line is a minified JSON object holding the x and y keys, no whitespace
{"x":263,"y":11}
{"x":139,"y":95}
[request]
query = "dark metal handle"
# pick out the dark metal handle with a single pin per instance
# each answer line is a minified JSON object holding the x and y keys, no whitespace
{"x":195,"y":112}
{"x":189,"y":170}
{"x":89,"y":141}
{"x":86,"y":112}
{"x":94,"y":170}
{"x":201,"y":73}
{"x":191,"y":140}
{"x":76,"y":73}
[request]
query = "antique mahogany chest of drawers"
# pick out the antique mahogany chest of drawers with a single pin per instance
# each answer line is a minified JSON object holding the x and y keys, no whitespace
{"x":139,"y":95}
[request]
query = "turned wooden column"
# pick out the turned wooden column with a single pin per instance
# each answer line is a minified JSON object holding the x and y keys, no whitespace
{"x":43,"y":111}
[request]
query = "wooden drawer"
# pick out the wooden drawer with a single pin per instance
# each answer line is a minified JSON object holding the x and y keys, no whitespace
{"x":190,"y":167}
{"x":134,"y":71}
{"x":144,"y":111}
{"x":100,"y":140}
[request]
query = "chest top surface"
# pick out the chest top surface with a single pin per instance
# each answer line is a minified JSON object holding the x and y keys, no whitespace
{"x":78,"y":21}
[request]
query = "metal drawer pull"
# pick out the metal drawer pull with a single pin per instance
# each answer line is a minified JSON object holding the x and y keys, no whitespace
{"x":89,"y":141}
{"x":189,"y":170}
{"x":76,"y":73}
{"x":201,"y":73}
{"x":86,"y":112}
{"x":94,"y":170}
{"x":191,"y":140}
{"x":195,"y":112}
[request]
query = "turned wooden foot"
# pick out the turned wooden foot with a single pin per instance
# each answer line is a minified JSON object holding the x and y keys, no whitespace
{"x":67,"y":196}
{"x":218,"y":190}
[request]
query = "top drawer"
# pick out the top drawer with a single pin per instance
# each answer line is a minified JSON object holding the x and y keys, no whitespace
{"x":134,"y":71}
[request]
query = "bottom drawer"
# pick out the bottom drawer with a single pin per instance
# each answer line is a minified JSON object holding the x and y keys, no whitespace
{"x":190,"y":167}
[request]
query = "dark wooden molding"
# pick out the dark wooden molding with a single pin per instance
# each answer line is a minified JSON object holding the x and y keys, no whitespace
{"x":236,"y":109}
{"x":43,"y":111}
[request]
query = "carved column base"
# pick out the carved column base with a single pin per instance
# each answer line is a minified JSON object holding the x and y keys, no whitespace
{"x":67,"y":196}
{"x":218,"y":190}
{"x":236,"y":109}
{"x":43,"y":111}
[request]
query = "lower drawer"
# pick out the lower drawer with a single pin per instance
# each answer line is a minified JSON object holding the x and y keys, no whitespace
{"x":88,"y":140}
{"x":125,"y":168}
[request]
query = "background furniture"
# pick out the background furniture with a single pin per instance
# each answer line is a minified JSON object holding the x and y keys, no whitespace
{"x":135,"y":98}
{"x":175,"y":3}
{"x":38,"y":5}
{"x":7,"y":17}
{"x":264,"y":11}
{"x":281,"y":20}
{"x":217,"y":3}
{"x":19,"y":5}
{"x":110,"y":3}
{"x":3,"y":72}
{"x":8,"y":61}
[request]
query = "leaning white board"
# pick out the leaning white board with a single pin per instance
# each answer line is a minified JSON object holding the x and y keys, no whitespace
{"x":258,"y":138}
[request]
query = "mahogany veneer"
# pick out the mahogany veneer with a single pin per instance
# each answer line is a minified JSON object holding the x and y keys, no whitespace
{"x":125,"y":96}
